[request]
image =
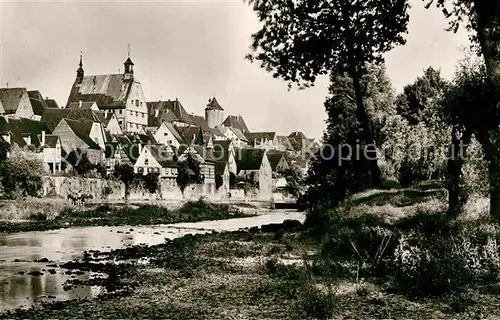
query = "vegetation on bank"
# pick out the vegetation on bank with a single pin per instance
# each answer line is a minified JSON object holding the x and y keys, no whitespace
{"x":107,"y":215}
{"x":360,"y":265}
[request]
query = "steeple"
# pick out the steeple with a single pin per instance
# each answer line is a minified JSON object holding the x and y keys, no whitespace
{"x":80,"y":73}
{"x":129,"y":65}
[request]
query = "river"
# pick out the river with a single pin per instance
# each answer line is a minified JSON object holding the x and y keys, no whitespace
{"x":19,"y":251}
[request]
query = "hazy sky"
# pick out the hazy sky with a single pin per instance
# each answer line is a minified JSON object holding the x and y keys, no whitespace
{"x":189,"y":50}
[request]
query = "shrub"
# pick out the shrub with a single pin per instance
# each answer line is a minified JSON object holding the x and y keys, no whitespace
{"x":22,"y":176}
{"x":317,"y":303}
{"x":446,"y":263}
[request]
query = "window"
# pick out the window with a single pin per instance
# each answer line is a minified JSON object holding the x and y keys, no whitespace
{"x":136,"y":114}
{"x":121,"y":111}
{"x":165,"y":134}
{"x":142,"y":113}
{"x":120,"y":122}
{"x":136,"y":103}
{"x":146,"y":162}
{"x":141,"y":103}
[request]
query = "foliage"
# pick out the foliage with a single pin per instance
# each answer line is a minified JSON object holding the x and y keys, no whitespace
{"x":219,"y":180}
{"x":4,"y":150}
{"x":22,"y":176}
{"x":299,"y":40}
{"x":79,"y":160}
{"x":341,"y":167}
{"x":125,"y":174}
{"x":188,"y":172}
{"x":151,"y":181}
{"x":416,"y":140}
{"x":294,"y":181}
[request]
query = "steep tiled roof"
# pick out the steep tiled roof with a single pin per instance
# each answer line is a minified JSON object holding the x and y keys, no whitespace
{"x":236,"y":122}
{"x":239,"y":134}
{"x":285,"y":141}
{"x":108,"y":91}
{"x":213,"y":104}
{"x":187,"y":134}
{"x":202,"y":151}
{"x":249,"y":159}
{"x":37,"y":102}
{"x":83,"y":105}
{"x":163,"y":155}
{"x":177,"y":112}
{"x":21,"y":128}
{"x":275,"y":158}
{"x":82,"y":130}
{"x":52,"y":116}
{"x":51,"y":103}
{"x":10,"y":98}
{"x":174,"y":131}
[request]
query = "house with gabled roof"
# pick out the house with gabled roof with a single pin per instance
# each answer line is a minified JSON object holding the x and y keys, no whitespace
{"x":38,"y":104}
{"x":121,"y":94}
{"x":236,"y":136}
{"x":278,"y":161}
{"x":303,"y":146}
{"x":52,"y":151}
{"x":92,"y":105}
{"x":167,"y":134}
{"x":236,"y":122}
{"x":15,"y":103}
{"x":222,"y":170}
{"x":253,"y":165}
{"x":157,"y":158}
{"x":172,"y":111}
{"x":85,"y":135}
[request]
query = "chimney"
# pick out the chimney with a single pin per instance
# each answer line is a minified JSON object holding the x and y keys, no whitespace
{"x":106,"y":113}
{"x":194,"y":138}
{"x":140,"y":148}
{"x":43,"y":137}
{"x":80,"y":104}
{"x":156,"y":113}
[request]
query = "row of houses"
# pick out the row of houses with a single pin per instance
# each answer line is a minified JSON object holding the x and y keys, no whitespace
{"x":108,"y":117}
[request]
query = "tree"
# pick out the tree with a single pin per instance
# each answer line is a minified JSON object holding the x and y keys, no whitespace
{"x":151,"y":181}
{"x":219,"y":180}
{"x":188,"y":172}
{"x":79,"y":161}
{"x":125,"y":174}
{"x":301,"y":39}
{"x":4,"y":150}
{"x":294,"y":182}
{"x":476,"y":102}
{"x":22,"y":176}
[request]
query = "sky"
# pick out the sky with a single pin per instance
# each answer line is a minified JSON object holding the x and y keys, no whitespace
{"x":190,"y":50}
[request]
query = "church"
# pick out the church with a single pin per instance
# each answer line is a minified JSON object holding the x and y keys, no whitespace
{"x":120,"y":94}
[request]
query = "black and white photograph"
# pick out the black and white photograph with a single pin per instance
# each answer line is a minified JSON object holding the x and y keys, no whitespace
{"x":250,"y":159}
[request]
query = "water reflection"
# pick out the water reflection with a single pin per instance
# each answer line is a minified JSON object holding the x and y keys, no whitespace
{"x":18,"y":251}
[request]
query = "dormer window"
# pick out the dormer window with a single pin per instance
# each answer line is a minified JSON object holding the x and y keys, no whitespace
{"x":146,"y":162}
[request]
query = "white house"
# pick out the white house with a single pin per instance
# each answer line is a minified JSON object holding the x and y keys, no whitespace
{"x":157,"y":158}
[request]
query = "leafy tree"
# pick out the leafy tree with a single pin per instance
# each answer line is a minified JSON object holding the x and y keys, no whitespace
{"x":22,"y":176}
{"x":79,"y":161}
{"x":151,"y":181}
{"x":475,"y":99}
{"x":294,"y":182}
{"x":188,"y":172}
{"x":4,"y":150}
{"x":421,"y":100}
{"x":125,"y":174}
{"x":301,"y":39}
{"x":341,"y":166}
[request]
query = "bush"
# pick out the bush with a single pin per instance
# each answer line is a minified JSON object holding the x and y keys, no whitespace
{"x":22,"y":177}
{"x":446,"y":263}
{"x":317,"y":303}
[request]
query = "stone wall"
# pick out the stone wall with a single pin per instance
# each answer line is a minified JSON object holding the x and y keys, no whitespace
{"x":62,"y":187}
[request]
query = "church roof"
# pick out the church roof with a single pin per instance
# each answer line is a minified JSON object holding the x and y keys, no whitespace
{"x":213,"y":104}
{"x":109,"y":91}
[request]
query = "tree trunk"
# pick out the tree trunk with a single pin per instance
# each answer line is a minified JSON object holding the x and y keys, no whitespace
{"x":458,"y":149}
{"x":364,"y":120}
{"x":488,"y":20}
{"x":490,"y":141}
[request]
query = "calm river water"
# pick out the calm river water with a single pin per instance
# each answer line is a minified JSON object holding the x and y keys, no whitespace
{"x":18,"y":251}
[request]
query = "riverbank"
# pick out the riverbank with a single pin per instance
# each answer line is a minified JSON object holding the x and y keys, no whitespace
{"x":251,"y":274}
{"x":386,"y":254}
{"x":118,"y":214}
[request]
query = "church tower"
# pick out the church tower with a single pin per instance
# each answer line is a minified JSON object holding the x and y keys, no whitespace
{"x":79,"y":72}
{"x":214,"y":113}
{"x":129,"y":67}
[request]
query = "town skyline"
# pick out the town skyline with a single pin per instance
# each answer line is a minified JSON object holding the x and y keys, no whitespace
{"x":202,"y":55}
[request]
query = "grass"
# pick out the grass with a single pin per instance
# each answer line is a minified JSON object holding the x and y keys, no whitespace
{"x":284,"y":272}
{"x":106,"y":215}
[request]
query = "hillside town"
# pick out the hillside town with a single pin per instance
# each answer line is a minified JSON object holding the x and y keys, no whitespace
{"x":108,"y":118}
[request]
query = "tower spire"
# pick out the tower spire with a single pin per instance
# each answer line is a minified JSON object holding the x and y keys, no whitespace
{"x":80,"y":73}
{"x":129,"y":50}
